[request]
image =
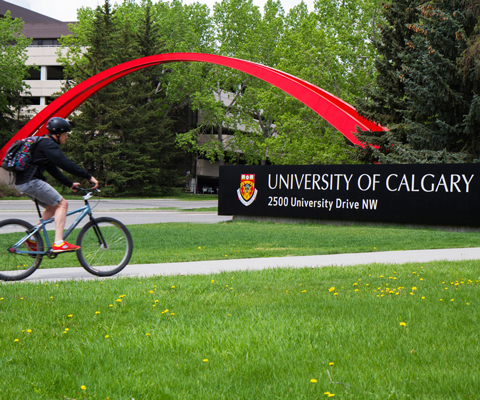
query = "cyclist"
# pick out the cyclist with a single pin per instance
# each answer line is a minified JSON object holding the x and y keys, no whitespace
{"x":47,"y":156}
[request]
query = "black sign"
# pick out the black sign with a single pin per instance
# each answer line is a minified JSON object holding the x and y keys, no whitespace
{"x":431,"y":194}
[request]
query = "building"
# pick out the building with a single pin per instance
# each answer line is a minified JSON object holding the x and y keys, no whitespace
{"x":44,"y":32}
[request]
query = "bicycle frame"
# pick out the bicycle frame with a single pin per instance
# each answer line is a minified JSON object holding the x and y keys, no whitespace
{"x":84,"y":211}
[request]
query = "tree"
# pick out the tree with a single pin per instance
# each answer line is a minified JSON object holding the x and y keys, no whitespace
{"x":274,"y":126}
{"x":12,"y":64}
{"x":123,"y":132}
{"x":430,"y":109}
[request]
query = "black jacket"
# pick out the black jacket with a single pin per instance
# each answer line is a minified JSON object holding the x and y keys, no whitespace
{"x":47,"y":156}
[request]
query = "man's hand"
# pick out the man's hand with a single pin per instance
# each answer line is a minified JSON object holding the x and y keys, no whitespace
{"x":94,"y":181}
{"x":74,"y":186}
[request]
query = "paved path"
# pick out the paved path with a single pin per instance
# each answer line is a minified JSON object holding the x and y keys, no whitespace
{"x":213,"y":267}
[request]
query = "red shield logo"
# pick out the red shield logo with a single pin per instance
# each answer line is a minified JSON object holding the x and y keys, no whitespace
{"x":247,"y":192}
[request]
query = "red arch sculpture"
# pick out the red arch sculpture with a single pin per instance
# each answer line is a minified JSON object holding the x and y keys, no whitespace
{"x":338,"y":113}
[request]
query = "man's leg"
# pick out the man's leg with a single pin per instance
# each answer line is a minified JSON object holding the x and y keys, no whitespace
{"x":59,"y":212}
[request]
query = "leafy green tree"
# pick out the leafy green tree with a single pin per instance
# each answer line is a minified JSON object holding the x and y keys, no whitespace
{"x":433,"y":114}
{"x":263,"y":123}
{"x":13,"y":56}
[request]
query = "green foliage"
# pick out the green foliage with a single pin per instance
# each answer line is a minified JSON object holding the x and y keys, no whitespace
{"x":257,"y":122}
{"x":13,"y":56}
{"x":123,"y":134}
{"x":430,"y":106}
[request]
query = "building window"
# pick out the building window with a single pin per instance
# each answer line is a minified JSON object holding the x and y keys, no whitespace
{"x":55,"y":73}
{"x":33,"y":74}
{"x":32,"y":101}
{"x":44,"y":42}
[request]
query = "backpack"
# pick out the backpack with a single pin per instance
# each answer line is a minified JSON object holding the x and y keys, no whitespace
{"x":20,"y":154}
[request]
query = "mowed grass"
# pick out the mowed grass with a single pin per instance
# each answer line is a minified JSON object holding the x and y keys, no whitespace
{"x":367,"y":332}
{"x":179,"y":242}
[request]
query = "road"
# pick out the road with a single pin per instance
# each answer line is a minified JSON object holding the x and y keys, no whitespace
{"x":130,"y":212}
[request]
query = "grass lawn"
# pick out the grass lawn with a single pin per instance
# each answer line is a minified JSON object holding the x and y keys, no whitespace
{"x":365,"y":332}
{"x":179,"y":242}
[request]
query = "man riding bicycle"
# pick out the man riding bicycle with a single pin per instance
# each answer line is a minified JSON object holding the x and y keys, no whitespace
{"x":47,"y":156}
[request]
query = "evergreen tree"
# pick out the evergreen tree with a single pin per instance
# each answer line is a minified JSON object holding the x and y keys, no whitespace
{"x":123,"y":132}
{"x":421,"y":96}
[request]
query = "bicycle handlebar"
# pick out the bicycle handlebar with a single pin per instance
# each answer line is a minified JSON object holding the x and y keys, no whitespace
{"x":88,"y":192}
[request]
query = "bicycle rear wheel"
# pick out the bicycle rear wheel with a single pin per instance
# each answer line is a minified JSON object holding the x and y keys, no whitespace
{"x":14,"y":266}
{"x":106,"y":246}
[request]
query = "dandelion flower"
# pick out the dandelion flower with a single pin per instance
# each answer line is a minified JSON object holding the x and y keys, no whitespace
{"x":16,"y":340}
{"x":313,"y":380}
{"x":119,"y":300}
{"x":332,"y":289}
{"x":70,"y":315}
{"x":403,"y":324}
{"x":97,"y":312}
{"x":83,"y":387}
{"x":205,"y":360}
{"x":107,"y":336}
{"x":331,"y":364}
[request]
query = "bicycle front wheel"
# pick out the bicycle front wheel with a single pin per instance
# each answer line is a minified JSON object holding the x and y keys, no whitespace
{"x":106,"y":246}
{"x":14,"y":265}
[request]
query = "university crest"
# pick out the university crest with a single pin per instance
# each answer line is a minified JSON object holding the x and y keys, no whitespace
{"x":247,"y":192}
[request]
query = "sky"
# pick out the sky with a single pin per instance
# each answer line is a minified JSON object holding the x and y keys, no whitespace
{"x":66,"y":10}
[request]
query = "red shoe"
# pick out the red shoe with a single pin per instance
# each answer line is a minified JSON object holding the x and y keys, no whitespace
{"x":31,"y":243}
{"x":64,"y":247}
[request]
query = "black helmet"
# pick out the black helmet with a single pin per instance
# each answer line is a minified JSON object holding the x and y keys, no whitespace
{"x":58,"y":125}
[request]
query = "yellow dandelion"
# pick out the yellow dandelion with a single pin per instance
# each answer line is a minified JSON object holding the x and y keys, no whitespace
{"x":83,"y":387}
{"x":107,"y":336}
{"x":97,"y":312}
{"x":313,"y":380}
{"x":119,"y":300}
{"x":403,"y":324}
{"x":332,"y":289}
{"x":147,"y":334}
{"x":16,"y":340}
{"x":173,"y":287}
{"x":205,"y":360}
{"x":70,"y":315}
{"x":331,"y":364}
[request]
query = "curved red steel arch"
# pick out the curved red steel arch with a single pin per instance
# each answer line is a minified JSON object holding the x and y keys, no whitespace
{"x":338,"y":113}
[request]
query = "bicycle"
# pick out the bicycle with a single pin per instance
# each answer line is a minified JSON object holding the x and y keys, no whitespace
{"x":106,"y":245}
